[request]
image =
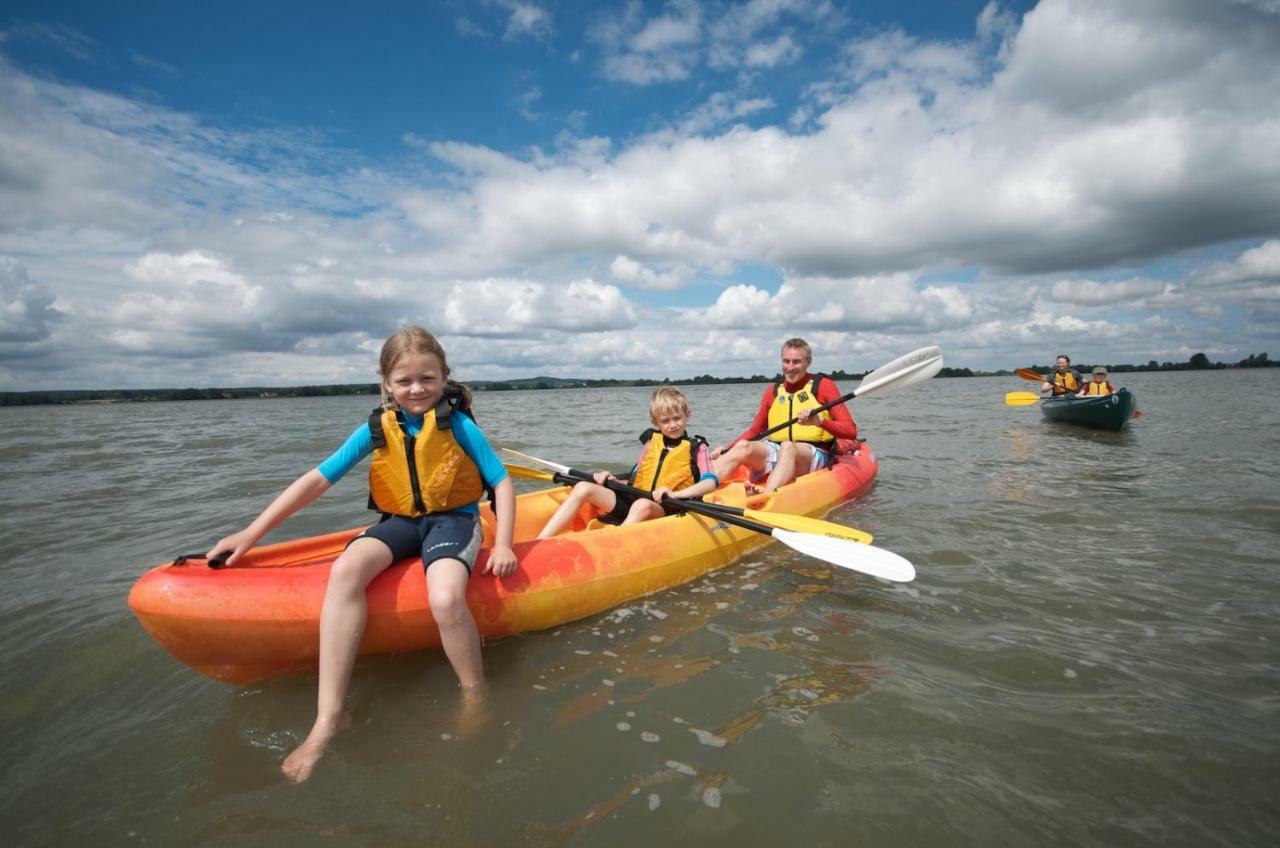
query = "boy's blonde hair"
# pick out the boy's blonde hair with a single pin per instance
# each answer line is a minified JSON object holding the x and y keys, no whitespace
{"x":667,"y":399}
{"x":412,"y":340}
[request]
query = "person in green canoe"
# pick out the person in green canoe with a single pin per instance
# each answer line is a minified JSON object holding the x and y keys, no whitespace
{"x":1065,"y":380}
{"x":1098,"y":385}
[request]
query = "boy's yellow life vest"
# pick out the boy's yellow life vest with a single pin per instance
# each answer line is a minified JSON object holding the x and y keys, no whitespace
{"x":1103,"y":388}
{"x":788,"y":405}
{"x":1065,"y":382}
{"x":415,"y":475}
{"x":660,"y":466}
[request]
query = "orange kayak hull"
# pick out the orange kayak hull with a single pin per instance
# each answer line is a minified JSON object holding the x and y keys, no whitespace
{"x":262,"y":617}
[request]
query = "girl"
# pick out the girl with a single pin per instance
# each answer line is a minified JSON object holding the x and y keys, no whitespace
{"x":429,"y":508}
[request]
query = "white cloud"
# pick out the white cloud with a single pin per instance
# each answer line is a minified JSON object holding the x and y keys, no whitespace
{"x":1090,"y":293}
{"x":633,"y":273}
{"x":720,"y":109}
{"x":769,"y":54}
{"x":642,"y":52}
{"x":27,"y":311}
{"x":497,"y":307}
{"x":526,"y":20}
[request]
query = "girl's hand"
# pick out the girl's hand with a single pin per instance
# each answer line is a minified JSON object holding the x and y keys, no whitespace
{"x":502,"y":561}
{"x":715,"y":454}
{"x":235,"y":546}
{"x":601,"y":476}
{"x":662,"y":492}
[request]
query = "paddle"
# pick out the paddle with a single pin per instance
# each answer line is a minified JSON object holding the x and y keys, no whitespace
{"x":908,"y":370}
{"x":779,"y":520}
{"x":1022,"y":398}
{"x":840,"y":551}
{"x":1028,"y":374}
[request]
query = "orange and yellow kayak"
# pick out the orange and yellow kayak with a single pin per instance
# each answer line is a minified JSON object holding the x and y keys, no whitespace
{"x":262,"y":617}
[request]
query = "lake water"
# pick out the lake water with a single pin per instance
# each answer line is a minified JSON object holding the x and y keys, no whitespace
{"x":1088,"y":657}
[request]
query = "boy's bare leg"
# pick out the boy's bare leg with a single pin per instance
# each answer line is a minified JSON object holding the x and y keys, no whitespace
{"x":643,"y":509}
{"x":598,"y":496}
{"x":342,"y":620}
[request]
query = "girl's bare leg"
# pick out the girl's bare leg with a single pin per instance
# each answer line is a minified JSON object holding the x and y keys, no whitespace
{"x":342,"y":620}
{"x":447,"y":591}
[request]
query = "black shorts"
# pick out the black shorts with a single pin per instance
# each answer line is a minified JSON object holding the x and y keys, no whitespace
{"x":621,"y":506}
{"x":440,"y":535}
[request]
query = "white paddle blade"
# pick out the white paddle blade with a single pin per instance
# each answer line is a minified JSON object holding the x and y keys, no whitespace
{"x":904,"y":372}
{"x":563,"y":469}
{"x":805,"y":524}
{"x":867,"y":559}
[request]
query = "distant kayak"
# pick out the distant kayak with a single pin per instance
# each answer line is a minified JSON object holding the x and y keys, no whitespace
{"x":1108,"y":412}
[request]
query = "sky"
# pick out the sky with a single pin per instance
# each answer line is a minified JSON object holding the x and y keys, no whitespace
{"x":245,"y":194}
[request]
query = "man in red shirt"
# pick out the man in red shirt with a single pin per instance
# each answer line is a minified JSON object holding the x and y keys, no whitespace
{"x":808,"y":441}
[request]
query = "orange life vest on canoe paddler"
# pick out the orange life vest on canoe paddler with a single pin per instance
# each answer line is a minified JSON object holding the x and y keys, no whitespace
{"x":1063,"y":383}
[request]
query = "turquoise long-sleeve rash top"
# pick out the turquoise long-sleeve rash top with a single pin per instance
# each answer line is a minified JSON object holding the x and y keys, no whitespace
{"x":360,"y":444}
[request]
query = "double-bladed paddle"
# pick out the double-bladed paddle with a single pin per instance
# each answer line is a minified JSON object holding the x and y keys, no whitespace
{"x":779,"y":520}
{"x":845,"y":549}
{"x":908,"y":370}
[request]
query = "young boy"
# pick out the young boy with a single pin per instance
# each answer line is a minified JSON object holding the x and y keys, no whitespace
{"x":1099,"y":384}
{"x":672,"y":464}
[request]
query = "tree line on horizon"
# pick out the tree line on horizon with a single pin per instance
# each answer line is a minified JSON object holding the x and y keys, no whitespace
{"x":1197,"y":362}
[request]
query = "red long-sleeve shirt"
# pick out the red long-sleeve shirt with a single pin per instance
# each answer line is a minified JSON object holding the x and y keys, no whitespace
{"x":840,"y":424}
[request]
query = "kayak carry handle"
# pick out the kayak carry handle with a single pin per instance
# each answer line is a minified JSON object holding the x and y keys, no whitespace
{"x":215,"y":562}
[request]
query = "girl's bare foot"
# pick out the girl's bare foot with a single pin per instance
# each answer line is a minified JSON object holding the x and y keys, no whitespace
{"x":299,"y":764}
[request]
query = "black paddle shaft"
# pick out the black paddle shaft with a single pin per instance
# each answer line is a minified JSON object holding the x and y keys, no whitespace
{"x":669,"y":504}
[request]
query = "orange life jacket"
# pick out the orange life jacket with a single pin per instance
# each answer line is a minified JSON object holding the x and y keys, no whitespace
{"x":1103,"y":388}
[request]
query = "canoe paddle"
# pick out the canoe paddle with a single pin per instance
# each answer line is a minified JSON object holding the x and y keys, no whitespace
{"x":910,"y":369}
{"x":1022,"y":398}
{"x":1028,"y":374}
{"x":837,"y":550}
{"x":778,"y":520}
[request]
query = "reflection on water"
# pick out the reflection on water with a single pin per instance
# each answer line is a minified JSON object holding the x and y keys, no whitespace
{"x":1087,"y":657}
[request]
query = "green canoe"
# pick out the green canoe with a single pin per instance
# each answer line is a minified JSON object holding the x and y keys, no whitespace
{"x":1109,"y":412}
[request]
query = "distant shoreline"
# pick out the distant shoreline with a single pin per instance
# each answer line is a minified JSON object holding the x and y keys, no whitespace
{"x":105,"y":396}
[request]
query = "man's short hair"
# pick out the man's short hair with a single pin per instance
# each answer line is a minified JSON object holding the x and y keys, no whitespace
{"x":798,"y":344}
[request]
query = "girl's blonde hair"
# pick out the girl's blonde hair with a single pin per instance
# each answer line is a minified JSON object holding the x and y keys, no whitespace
{"x":413,"y":340}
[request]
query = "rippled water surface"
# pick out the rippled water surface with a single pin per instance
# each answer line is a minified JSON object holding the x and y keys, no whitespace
{"x":1089,"y":655}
